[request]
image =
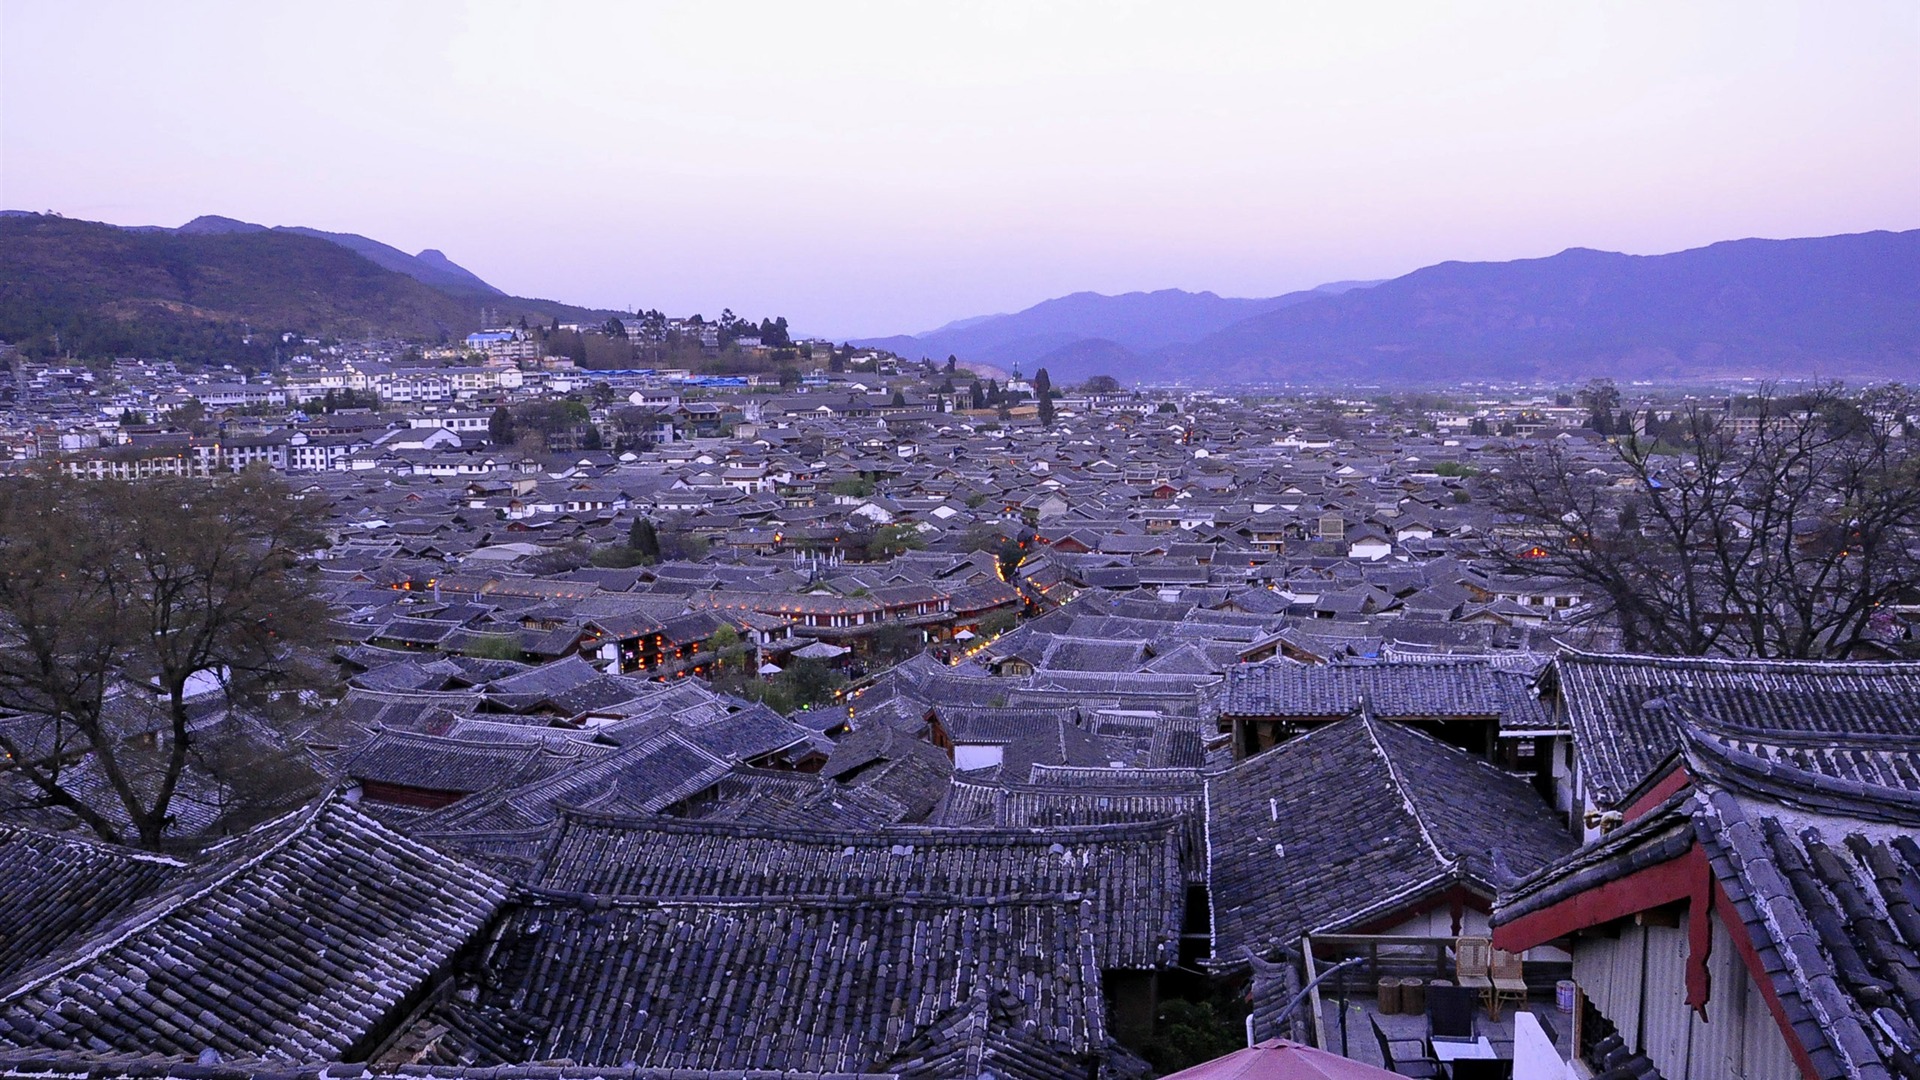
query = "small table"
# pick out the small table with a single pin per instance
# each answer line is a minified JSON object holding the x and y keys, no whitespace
{"x":1449,"y":1050}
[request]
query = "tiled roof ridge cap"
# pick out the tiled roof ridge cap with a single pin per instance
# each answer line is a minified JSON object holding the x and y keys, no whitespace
{"x":45,"y":1063}
{"x":1387,"y":903}
{"x":887,"y":834}
{"x":427,"y":696}
{"x":1715,"y":820}
{"x":1129,"y":770}
{"x":591,"y":901}
{"x":1571,"y":654}
{"x":383,"y":733}
{"x":91,"y":844}
{"x":1425,"y":662}
{"x":1369,"y":723}
{"x":1709,"y":757}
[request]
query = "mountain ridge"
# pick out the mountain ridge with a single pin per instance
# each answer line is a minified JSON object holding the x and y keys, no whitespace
{"x":439,"y":271}
{"x":1811,"y":307}
{"x":221,"y":289}
{"x":1806,"y":307}
{"x":1137,"y":321}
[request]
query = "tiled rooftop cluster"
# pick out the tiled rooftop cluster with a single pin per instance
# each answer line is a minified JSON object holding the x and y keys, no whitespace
{"x":1179,"y":687}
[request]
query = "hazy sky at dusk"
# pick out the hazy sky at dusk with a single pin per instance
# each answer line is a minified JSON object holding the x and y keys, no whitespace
{"x":883,"y":167}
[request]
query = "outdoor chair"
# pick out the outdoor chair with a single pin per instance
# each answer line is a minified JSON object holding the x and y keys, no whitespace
{"x":1450,"y":1011}
{"x":1509,"y":982}
{"x":1413,"y":1064}
{"x":1471,"y":959}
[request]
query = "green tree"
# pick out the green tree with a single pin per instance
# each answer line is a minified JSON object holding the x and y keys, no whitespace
{"x":891,"y":540}
{"x":614,"y":557}
{"x":682,"y":545}
{"x":189,"y":414}
{"x":1600,"y":398}
{"x":1101,"y":384}
{"x":494,"y":647}
{"x":1189,"y":1033}
{"x":894,"y":644}
{"x":856,"y":486}
{"x":1043,"y":393}
{"x":106,"y":633}
{"x":1009,"y":553}
{"x":644,"y":540}
{"x":999,"y":623}
{"x":723,"y":650}
{"x":499,"y":426}
{"x":808,"y":683}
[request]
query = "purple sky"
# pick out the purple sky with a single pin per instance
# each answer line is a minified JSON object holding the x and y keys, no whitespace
{"x":884,"y":167}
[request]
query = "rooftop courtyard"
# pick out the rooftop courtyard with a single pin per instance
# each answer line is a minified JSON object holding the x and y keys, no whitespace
{"x":1416,"y":1006}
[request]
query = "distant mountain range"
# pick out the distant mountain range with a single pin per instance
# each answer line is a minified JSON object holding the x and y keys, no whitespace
{"x":1809,"y":308}
{"x":222,"y":289}
{"x":1838,"y":306}
{"x":1088,"y":325}
{"x":430,"y":267}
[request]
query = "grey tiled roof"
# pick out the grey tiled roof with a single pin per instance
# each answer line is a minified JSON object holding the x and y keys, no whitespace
{"x":297,"y":940}
{"x":642,"y":777}
{"x":1129,"y":873}
{"x":60,"y":887}
{"x":825,"y":985}
{"x":1357,"y":820}
{"x":1287,"y":688}
{"x":1822,"y":869}
{"x":1622,"y":709}
{"x":45,"y":1065}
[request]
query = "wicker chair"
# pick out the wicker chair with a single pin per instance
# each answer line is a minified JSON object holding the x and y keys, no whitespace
{"x":1471,"y":957}
{"x":1509,"y":982}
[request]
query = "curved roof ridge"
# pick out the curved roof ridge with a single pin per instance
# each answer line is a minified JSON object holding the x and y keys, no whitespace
{"x":1368,"y":722}
{"x":1797,"y":666}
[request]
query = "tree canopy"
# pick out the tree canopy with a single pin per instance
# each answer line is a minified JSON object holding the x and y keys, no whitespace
{"x":122,"y":602}
{"x":1043,"y":393}
{"x":1779,"y":531}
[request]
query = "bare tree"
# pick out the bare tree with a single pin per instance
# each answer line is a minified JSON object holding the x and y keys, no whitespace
{"x":1774,"y":528}
{"x":118,"y":603}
